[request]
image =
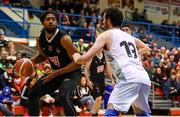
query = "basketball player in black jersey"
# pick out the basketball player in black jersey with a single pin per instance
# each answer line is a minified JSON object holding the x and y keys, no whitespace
{"x":95,"y":74}
{"x":58,"y":48}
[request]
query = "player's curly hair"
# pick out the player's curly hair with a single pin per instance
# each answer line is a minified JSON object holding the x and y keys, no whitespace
{"x":115,"y":15}
{"x":43,"y":16}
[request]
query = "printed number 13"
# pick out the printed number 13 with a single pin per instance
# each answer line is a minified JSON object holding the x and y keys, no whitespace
{"x":127,"y":46}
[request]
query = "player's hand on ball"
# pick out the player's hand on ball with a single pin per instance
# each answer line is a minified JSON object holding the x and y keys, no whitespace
{"x":76,"y":57}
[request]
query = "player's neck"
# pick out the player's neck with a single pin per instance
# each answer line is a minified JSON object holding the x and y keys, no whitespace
{"x":112,"y":27}
{"x":99,"y":55}
{"x":50,"y":35}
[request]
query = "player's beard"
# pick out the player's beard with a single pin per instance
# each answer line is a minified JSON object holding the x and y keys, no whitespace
{"x":51,"y":29}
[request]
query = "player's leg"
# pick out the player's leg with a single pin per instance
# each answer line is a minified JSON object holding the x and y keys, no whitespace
{"x":140,"y":105}
{"x":121,"y":98}
{"x":66,"y":91}
{"x":37,"y":91}
{"x":97,"y":92}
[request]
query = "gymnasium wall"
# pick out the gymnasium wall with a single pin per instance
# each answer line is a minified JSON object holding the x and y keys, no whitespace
{"x":157,"y":10}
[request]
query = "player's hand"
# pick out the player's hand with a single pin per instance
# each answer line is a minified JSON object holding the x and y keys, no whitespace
{"x":76,"y":57}
{"x":47,"y":78}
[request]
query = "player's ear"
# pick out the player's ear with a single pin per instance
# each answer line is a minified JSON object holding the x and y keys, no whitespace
{"x":109,"y":21}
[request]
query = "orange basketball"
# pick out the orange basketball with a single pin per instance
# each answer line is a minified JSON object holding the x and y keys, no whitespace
{"x":24,"y":67}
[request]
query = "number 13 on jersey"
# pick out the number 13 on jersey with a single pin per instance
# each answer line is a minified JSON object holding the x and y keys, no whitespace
{"x":130,"y":49}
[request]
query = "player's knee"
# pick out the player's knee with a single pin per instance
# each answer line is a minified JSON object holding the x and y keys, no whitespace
{"x":143,"y":114}
{"x":111,"y":112}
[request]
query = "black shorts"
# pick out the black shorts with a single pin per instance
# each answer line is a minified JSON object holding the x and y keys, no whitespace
{"x":98,"y":88}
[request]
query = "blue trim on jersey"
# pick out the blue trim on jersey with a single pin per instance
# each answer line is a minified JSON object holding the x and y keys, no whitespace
{"x":111,"y":112}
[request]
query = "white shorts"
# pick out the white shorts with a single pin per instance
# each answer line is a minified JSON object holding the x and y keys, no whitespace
{"x":126,"y":94}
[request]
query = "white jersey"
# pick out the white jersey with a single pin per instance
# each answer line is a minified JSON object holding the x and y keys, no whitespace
{"x":124,"y":58}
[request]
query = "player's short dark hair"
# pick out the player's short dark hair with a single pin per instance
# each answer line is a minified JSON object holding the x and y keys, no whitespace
{"x":43,"y":16}
{"x":126,"y":25}
{"x":115,"y":15}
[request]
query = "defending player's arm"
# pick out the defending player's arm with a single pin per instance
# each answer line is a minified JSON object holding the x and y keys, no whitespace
{"x":71,"y":49}
{"x":100,"y":42}
{"x":40,"y":57}
{"x":86,"y":72}
{"x":142,"y":47}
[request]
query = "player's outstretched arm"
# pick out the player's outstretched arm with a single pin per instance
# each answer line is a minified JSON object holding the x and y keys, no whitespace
{"x":101,"y":41}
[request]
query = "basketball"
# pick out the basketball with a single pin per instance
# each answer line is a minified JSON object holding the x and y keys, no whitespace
{"x":24,"y":67}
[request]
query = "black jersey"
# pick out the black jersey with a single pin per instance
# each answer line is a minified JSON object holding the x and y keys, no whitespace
{"x":97,"y":67}
{"x":53,"y":49}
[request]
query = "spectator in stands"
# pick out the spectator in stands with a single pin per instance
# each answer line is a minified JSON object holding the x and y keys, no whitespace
{"x":80,"y":45}
{"x":72,"y":18}
{"x":142,"y":34}
{"x":6,"y":97}
{"x":18,"y":83}
{"x":83,"y":94}
{"x":135,"y":15}
{"x":144,"y":16}
{"x":155,"y":56}
{"x":5,"y":111}
{"x":98,"y":29}
{"x":158,"y":76}
{"x":166,"y":31}
{"x":151,"y":70}
{"x":4,"y":62}
{"x":84,"y":32}
{"x":89,"y":45}
{"x":6,"y":79}
{"x":10,"y":45}
{"x":11,"y":57}
{"x":167,"y":67}
{"x":81,"y":21}
{"x":170,"y":88}
{"x":47,"y":68}
{"x":18,"y":55}
{"x":162,"y":53}
{"x":171,"y":60}
{"x":3,"y":43}
{"x":177,"y":56}
{"x":65,"y":20}
{"x":48,"y":4}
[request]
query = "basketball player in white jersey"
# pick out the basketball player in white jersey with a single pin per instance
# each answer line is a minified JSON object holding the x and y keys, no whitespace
{"x":141,"y":46}
{"x":133,"y":86}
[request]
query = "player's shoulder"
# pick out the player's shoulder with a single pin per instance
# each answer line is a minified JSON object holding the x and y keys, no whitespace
{"x":106,"y":33}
